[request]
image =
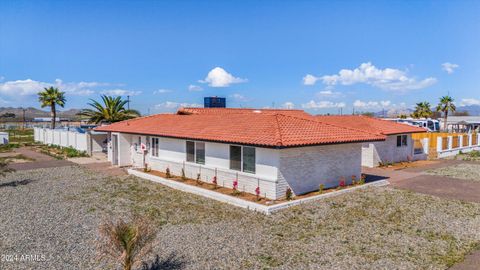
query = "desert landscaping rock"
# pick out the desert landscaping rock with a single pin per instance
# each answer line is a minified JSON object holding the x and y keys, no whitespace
{"x":57,"y":214}
{"x":461,"y":171}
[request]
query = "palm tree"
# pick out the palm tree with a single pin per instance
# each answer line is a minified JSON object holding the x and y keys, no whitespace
{"x":446,"y":105}
{"x":51,"y":97}
{"x":112,"y":110}
{"x":422,"y":110}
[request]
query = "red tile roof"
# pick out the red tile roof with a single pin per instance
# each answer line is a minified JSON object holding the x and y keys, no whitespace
{"x":191,"y":110}
{"x":369,"y":124}
{"x":268,"y":130}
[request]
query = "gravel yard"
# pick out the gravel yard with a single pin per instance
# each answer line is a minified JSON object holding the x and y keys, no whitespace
{"x":55,"y":213}
{"x":461,"y":171}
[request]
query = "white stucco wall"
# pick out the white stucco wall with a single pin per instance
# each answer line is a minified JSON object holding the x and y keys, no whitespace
{"x":305,"y":168}
{"x":302,"y":169}
{"x":386,"y":151}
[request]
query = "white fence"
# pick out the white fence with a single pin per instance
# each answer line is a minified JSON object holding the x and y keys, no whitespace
{"x":63,"y":138}
{"x":453,"y":145}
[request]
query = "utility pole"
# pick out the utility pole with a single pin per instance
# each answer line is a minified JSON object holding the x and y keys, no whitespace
{"x":128,"y":102}
{"x":24,"y":121}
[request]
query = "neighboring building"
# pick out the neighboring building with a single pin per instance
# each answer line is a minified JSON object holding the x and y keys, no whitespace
{"x":3,"y":138}
{"x":271,"y":149}
{"x":462,"y":123}
{"x":397,"y":147}
{"x":214,"y":102}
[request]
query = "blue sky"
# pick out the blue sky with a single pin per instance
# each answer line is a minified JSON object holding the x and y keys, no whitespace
{"x":256,"y":53}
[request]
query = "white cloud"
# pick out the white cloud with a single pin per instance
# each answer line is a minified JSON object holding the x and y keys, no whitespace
{"x":323,"y":105}
{"x":121,"y":92}
{"x":309,"y":79}
{"x":469,"y":101}
{"x":288,"y":105}
{"x":388,"y":79}
{"x":449,"y":67}
{"x":329,"y":94}
{"x":239,"y":97}
{"x":30,"y":87}
{"x":193,"y":87}
{"x":171,"y":105}
{"x":218,"y":77}
{"x":378,"y":105}
{"x":162,"y":91}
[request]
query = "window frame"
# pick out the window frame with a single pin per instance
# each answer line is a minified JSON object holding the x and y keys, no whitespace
{"x":195,"y":156}
{"x":155,"y":152}
{"x":242,"y":169}
{"x":402,"y":140}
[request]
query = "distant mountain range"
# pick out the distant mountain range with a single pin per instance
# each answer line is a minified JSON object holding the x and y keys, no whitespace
{"x":31,"y":113}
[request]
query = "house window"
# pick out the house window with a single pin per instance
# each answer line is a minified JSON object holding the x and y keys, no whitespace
{"x":200,"y":152}
{"x":196,"y":152}
{"x":235,"y":157}
{"x":155,"y":147}
{"x":249,"y":159}
{"x":190,"y":151}
{"x":242,"y":158}
{"x":402,"y":140}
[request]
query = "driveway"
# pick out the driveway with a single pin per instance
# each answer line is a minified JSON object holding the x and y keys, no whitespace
{"x":39,"y":160}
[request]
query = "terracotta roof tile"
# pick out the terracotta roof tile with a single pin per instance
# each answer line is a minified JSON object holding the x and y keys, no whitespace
{"x":261,"y":129}
{"x":190,"y":110}
{"x":370,"y":124}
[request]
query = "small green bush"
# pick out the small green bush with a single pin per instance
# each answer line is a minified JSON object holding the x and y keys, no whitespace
{"x":321,"y":188}
{"x":289,"y":194}
{"x":183,"y":175}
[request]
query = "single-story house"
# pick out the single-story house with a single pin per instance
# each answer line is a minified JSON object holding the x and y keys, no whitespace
{"x":272,"y":150}
{"x":397,"y":147}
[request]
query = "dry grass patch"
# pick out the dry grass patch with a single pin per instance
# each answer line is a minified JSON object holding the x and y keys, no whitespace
{"x":377,"y":227}
{"x":461,"y":171}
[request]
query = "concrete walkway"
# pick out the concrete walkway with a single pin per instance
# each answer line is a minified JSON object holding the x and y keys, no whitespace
{"x":40,"y":160}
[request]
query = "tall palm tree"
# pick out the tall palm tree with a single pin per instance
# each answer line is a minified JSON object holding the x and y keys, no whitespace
{"x":446,"y":105}
{"x":112,"y":110}
{"x":422,"y":110}
{"x":51,"y":97}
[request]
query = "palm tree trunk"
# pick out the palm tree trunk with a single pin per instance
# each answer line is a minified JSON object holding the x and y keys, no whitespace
{"x":54,"y":116}
{"x":445,"y":120}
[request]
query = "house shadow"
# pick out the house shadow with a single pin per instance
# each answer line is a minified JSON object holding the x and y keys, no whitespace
{"x":369,"y":178}
{"x":16,"y":183}
{"x":171,"y":262}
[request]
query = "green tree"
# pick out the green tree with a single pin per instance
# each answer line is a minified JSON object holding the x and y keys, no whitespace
{"x":445,"y":106}
{"x":422,"y":110}
{"x":50,"y":97}
{"x":112,"y":110}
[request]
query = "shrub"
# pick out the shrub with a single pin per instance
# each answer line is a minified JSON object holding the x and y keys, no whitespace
{"x":145,"y":168}
{"x":257,"y":193}
{"x":354,"y":179}
{"x":183,"y":174}
{"x":126,"y":242}
{"x":214,"y":182}
{"x":342,"y":182}
{"x":167,"y":173}
{"x":362,"y":179}
{"x":198,"y":179}
{"x":321,"y":188}
{"x":289,"y":194}
{"x":235,"y":188}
